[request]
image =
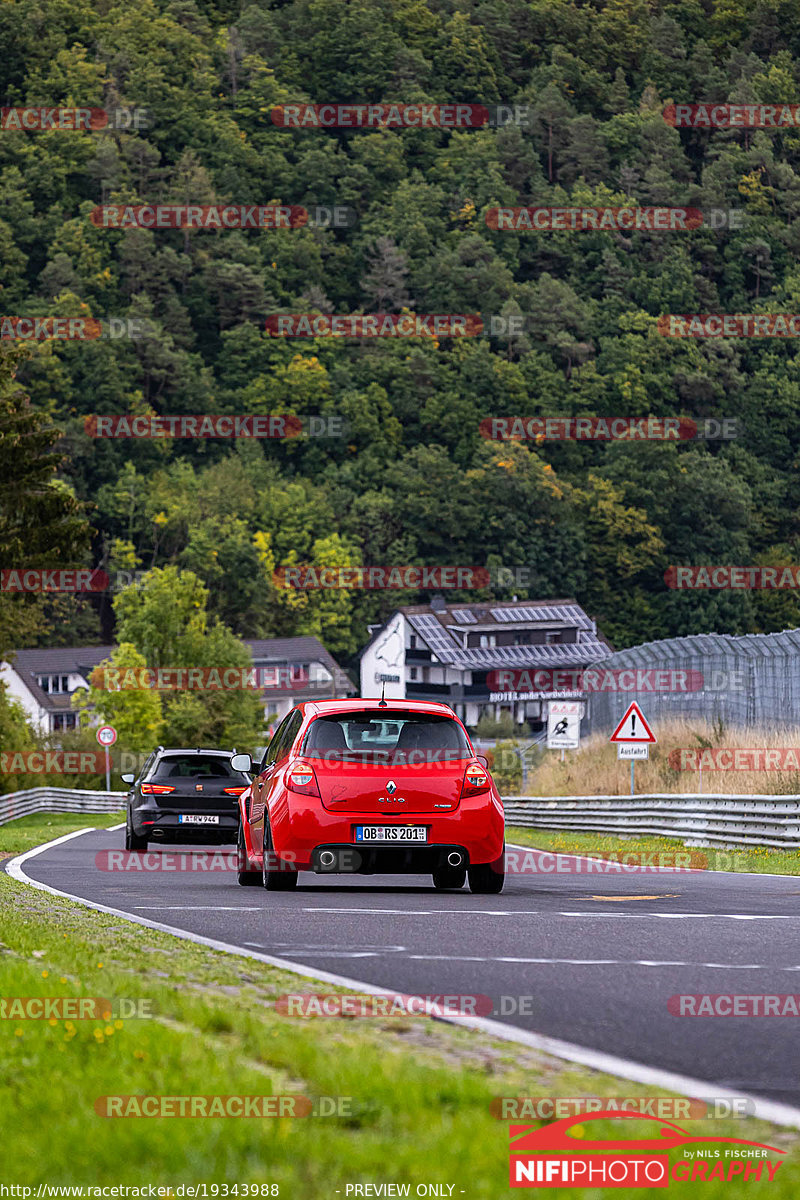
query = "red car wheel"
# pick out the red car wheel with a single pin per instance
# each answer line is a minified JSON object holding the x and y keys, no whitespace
{"x":247,"y":875}
{"x":276,"y":875}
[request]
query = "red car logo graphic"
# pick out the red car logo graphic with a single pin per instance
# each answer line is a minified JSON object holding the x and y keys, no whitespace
{"x":557,"y":1136}
{"x":551,"y":1157}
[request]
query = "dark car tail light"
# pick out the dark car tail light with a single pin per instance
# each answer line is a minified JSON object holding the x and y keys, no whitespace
{"x":156,"y":789}
{"x":237,"y":791}
{"x":302,"y":779}
{"x":476,"y":780}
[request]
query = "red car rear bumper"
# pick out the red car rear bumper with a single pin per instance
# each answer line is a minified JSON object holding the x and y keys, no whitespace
{"x":301,"y":827}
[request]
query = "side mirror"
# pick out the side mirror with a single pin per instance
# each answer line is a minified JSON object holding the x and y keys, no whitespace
{"x":483,"y":760}
{"x":242,"y":762}
{"x":128,"y":778}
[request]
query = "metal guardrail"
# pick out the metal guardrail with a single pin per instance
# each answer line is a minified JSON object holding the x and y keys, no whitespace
{"x":57,"y":800}
{"x":700,"y":820}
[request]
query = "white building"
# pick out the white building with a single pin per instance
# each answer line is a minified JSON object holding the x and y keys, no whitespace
{"x":43,"y":681}
{"x":453,"y":652}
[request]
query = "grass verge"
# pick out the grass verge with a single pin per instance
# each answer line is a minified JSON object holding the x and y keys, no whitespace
{"x":418,"y":1091}
{"x":18,"y":836}
{"x":683,"y":746}
{"x":760,"y":859}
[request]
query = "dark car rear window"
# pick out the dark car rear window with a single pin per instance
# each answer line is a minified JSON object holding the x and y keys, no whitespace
{"x":194,"y":766}
{"x":409,"y":736}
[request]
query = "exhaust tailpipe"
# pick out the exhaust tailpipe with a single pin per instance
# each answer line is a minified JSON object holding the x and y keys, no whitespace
{"x":327,"y":858}
{"x":455,"y":858}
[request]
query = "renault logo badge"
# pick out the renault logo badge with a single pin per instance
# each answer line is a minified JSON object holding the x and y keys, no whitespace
{"x":391,"y":787}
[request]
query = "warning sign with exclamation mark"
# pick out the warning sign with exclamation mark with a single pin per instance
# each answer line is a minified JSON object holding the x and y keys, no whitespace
{"x":633,"y":728}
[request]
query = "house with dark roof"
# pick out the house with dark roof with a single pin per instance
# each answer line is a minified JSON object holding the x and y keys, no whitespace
{"x":294,"y":669}
{"x":288,"y":670}
{"x":43,"y":681}
{"x":483,"y":659}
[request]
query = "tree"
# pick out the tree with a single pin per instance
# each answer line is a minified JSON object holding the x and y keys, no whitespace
{"x":551,"y":115}
{"x":16,"y":736}
{"x":41,"y":522}
{"x":165,"y":618}
{"x":135,"y":713}
{"x":384,"y":283}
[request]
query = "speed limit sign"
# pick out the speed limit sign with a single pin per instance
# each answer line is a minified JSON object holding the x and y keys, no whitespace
{"x":106,"y":735}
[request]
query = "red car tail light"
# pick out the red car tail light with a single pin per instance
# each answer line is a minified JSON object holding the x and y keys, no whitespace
{"x":303,"y":780}
{"x":476,"y":780}
{"x":156,"y":789}
{"x":235,"y":791}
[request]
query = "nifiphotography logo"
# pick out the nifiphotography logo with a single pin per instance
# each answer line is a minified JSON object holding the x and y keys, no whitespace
{"x":559,"y":1156}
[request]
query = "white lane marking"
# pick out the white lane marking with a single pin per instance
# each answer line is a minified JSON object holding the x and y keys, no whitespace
{"x":203,"y":907}
{"x":541,"y":912}
{"x":598,"y":962}
{"x":599,"y":1060}
{"x":682,"y":871}
{"x":111,"y":828}
{"x":335,"y":953}
{"x":295,"y":946}
{"x":331,"y":951}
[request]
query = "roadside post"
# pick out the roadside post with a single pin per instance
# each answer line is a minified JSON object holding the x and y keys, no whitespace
{"x":106,"y":736}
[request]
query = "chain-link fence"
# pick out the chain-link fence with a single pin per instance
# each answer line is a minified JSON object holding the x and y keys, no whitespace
{"x":747,"y":682}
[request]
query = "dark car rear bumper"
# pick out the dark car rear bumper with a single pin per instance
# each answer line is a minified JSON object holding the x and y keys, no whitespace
{"x":159,"y":826}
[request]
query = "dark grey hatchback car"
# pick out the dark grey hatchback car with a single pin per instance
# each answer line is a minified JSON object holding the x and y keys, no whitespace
{"x":184,"y":796}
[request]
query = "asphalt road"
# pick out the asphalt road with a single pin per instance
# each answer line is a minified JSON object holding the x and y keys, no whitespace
{"x":588,"y":958}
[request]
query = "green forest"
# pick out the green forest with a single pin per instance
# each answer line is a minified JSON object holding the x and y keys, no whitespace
{"x":412,"y":480}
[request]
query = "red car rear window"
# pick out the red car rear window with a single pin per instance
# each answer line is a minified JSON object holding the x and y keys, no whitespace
{"x":395,"y":735}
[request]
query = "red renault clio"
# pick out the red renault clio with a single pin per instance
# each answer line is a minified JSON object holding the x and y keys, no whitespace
{"x":368,"y":787}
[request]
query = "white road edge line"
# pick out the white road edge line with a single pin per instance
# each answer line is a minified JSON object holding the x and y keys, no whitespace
{"x":597,"y":1060}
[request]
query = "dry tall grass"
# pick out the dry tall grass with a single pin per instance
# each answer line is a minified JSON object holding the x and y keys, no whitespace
{"x":595,"y":770}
